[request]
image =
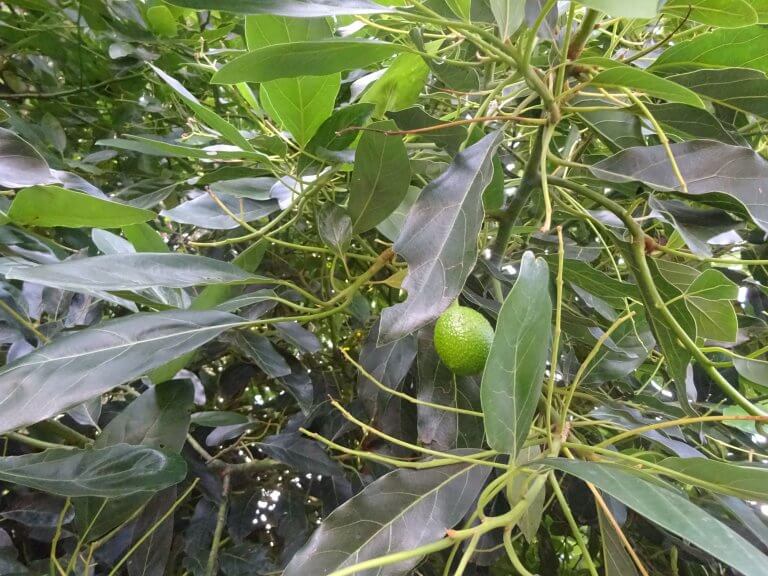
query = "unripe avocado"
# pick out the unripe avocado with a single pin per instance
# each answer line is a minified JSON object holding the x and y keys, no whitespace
{"x":463,"y":340}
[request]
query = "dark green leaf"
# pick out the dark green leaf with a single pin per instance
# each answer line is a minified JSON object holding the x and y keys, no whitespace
{"x":295,"y":8}
{"x":334,"y":227}
{"x":671,"y":511}
{"x":381,"y":177}
{"x":619,"y":129}
{"x":618,"y":562}
{"x":259,"y":349}
{"x":689,"y":123}
{"x":151,"y":555}
{"x":82,"y":365}
{"x":308,"y":58}
{"x":744,"y":481}
{"x":739,"y":89}
{"x":133,"y":272}
{"x":116,"y":471}
{"x":48,"y":206}
{"x":514,"y":372}
{"x":302,"y":454}
{"x":401,"y":511}
{"x":706,"y":166}
{"x":449,"y":138}
{"x":439,"y":240}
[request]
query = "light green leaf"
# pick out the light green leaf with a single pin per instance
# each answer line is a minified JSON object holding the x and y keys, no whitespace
{"x":671,"y":511}
{"x":400,"y":85}
{"x":381,"y":176}
{"x":642,"y":81}
{"x":116,"y":471}
{"x":308,"y":58}
{"x":624,"y":8}
{"x":462,"y":8}
{"x":514,"y":371}
{"x":720,"y":48}
{"x":82,"y":365}
{"x":162,"y":22}
{"x":709,"y":299}
{"x":155,"y":147}
{"x":49,"y":206}
{"x":754,"y":370}
{"x":300,"y":105}
{"x":136,"y":271}
{"x":722,"y":13}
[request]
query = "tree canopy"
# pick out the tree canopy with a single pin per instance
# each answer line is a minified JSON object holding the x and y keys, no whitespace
{"x":228,"y":228}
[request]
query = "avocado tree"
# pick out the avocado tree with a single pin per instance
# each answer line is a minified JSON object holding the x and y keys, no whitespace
{"x":391,"y":287}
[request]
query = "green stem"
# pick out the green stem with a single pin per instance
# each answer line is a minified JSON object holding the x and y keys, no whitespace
{"x":585,"y":555}
{"x":576,"y":46}
{"x":390,"y":559}
{"x":65,"y":432}
{"x":221,"y":518}
{"x":651,"y":294}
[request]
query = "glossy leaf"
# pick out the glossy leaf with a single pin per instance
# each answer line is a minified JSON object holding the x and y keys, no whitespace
{"x":119,"y":470}
{"x":308,"y":58}
{"x":81,"y":365}
{"x":671,"y":511}
{"x":152,"y":554}
{"x":335,"y":227}
{"x":295,"y":8}
{"x":706,"y":166}
{"x":301,"y":454}
{"x":134,"y":271}
{"x":514,"y":371}
{"x":259,"y":349}
{"x":398,"y":512}
{"x":439,"y":240}
{"x":381,"y":176}
{"x":48,"y":206}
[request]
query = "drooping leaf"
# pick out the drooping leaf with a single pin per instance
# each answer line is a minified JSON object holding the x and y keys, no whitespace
{"x":82,"y":365}
{"x":398,"y":512}
{"x":295,"y":8}
{"x":119,"y":470}
{"x":514,"y":371}
{"x":706,"y":166}
{"x":671,"y":511}
{"x":381,"y":176}
{"x":719,"y":48}
{"x":723,"y":13}
{"x":134,"y":271}
{"x":48,"y":206}
{"x":439,"y":240}
{"x":259,"y":349}
{"x":307,"y":58}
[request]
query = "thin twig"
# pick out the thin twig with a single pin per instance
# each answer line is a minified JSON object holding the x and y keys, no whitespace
{"x":463,"y":122}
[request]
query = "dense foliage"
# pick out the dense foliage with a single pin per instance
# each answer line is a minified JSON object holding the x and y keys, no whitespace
{"x":228,"y":228}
